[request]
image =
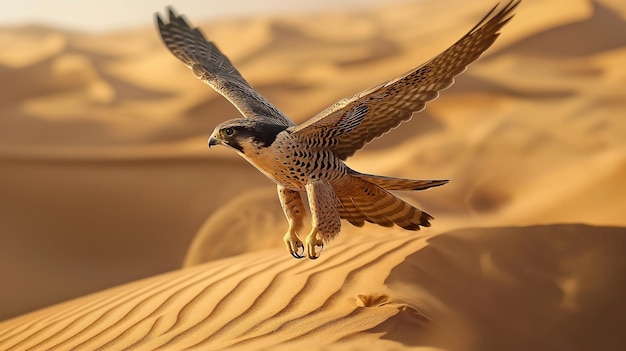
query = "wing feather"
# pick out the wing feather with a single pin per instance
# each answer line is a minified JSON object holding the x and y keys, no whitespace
{"x":354,"y":122}
{"x":211,"y":66}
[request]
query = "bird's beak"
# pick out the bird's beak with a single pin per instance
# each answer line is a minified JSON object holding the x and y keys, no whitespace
{"x":214,"y":141}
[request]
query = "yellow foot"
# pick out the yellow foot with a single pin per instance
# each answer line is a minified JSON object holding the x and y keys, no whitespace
{"x":311,"y":242}
{"x":294,"y":245}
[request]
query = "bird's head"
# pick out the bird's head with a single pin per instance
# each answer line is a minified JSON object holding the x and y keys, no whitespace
{"x":245,"y":134}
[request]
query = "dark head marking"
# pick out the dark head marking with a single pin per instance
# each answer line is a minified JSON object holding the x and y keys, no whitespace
{"x":234,"y":133}
{"x":265,"y":134}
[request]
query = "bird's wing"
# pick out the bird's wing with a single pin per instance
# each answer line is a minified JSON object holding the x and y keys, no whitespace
{"x":353,"y":122}
{"x":214,"y":68}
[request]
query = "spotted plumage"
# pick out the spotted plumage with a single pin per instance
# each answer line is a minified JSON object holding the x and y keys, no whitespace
{"x":310,"y":157}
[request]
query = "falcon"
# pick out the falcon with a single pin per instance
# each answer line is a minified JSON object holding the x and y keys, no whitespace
{"x":310,"y":157}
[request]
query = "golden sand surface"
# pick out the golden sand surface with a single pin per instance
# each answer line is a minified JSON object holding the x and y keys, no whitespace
{"x":107,"y":189}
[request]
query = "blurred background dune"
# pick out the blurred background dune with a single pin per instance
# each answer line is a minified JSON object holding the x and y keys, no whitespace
{"x":105,"y":176}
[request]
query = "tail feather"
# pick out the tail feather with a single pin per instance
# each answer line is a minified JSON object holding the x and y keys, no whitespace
{"x":349,"y":212}
{"x":391,"y":183}
{"x":370,"y":202}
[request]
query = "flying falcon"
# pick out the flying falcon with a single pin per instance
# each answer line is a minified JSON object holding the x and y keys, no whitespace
{"x":310,"y":157}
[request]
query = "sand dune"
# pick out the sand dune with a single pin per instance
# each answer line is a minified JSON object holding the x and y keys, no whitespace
{"x":105,"y":179}
{"x":502,"y":288}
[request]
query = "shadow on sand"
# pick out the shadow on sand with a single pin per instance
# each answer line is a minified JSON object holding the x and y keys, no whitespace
{"x":553,"y":287}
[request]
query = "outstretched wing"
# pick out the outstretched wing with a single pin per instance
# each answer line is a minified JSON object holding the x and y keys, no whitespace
{"x":353,"y":122}
{"x":214,"y":68}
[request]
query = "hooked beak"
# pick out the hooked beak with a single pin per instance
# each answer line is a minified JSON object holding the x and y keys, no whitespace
{"x":214,"y":141}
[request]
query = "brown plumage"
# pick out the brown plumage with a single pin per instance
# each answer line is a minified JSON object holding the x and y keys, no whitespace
{"x":310,"y":157}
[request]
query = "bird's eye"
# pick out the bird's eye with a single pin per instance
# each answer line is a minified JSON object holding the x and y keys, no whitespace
{"x":229,"y":131}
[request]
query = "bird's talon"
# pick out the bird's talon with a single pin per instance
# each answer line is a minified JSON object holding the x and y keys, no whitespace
{"x":299,"y":251}
{"x":294,"y":245}
{"x":311,"y":244}
{"x":313,"y":255}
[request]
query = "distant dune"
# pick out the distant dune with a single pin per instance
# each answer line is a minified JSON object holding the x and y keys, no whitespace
{"x":105,"y":179}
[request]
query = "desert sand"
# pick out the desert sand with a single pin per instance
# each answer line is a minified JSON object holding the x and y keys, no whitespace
{"x":119,"y":230}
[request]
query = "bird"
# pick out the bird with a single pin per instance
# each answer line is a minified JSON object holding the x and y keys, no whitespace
{"x":307,"y":160}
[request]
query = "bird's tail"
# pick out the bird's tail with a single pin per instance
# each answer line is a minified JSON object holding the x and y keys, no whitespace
{"x":369,"y":202}
{"x":390,"y":183}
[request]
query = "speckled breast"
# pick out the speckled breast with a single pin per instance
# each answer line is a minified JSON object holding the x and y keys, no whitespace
{"x":293,"y":164}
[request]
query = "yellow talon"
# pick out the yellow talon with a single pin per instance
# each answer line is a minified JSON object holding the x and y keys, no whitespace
{"x":294,"y":245}
{"x":311,"y":242}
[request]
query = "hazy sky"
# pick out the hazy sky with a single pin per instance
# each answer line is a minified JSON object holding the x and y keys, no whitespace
{"x":99,"y":15}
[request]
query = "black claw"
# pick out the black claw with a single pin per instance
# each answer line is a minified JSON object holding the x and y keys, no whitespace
{"x":298,"y":255}
{"x":321,"y":245}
